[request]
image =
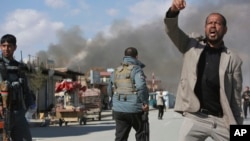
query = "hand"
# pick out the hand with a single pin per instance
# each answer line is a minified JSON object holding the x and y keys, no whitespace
{"x":15,"y":85}
{"x":145,"y":107}
{"x":178,"y":5}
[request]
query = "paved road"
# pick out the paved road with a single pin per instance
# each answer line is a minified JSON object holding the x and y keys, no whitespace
{"x":104,"y":130}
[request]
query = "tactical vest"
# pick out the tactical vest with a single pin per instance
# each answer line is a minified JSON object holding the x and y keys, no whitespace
{"x":123,"y":83}
{"x":11,"y":76}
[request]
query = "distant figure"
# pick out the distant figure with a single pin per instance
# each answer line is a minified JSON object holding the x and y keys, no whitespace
{"x":129,"y":93}
{"x":160,"y":105}
{"x":51,"y":110}
{"x":209,"y":92}
{"x":246,"y":100}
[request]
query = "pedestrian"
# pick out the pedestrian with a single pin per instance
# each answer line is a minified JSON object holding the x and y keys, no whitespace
{"x":209,"y":93}
{"x":130,"y":95}
{"x":19,"y":98}
{"x":160,"y":105}
{"x":246,"y":100}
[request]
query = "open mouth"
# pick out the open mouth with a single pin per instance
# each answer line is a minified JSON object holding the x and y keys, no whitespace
{"x":212,"y":33}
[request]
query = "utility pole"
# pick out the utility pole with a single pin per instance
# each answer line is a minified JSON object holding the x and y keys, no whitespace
{"x":21,"y":57}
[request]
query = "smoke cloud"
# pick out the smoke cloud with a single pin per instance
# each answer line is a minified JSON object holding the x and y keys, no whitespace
{"x":158,"y":53}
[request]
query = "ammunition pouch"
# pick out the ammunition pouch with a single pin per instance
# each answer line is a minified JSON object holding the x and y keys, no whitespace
{"x":4,"y":86}
{"x":4,"y":89}
{"x":12,"y":93}
{"x":124,"y":96}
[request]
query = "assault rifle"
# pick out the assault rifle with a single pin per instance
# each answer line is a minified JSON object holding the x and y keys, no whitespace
{"x":6,"y":94}
{"x":10,"y":92}
{"x":145,"y":126}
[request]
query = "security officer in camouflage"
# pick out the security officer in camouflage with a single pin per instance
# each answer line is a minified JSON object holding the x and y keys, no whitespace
{"x":129,"y":93}
{"x":17,"y":93}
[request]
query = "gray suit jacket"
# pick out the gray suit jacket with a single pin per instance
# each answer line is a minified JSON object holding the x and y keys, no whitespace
{"x":229,"y":73}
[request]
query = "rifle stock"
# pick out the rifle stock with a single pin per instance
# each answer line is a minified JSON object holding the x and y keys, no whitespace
{"x":6,"y":127}
{"x":146,"y":132}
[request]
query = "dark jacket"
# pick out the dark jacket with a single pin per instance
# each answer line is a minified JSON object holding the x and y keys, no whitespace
{"x":13,"y":72}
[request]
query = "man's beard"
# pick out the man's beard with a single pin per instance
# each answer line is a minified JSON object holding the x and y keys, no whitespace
{"x":214,"y":41}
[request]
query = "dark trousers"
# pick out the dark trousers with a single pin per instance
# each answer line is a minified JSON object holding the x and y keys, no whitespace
{"x":245,"y":106}
{"x":160,"y":111}
{"x":124,"y":123}
{"x":19,"y":127}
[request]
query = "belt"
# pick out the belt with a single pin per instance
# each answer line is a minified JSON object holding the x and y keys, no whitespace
{"x":207,"y":112}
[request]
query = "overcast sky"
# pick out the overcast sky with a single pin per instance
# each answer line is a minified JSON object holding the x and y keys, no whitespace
{"x":88,"y":33}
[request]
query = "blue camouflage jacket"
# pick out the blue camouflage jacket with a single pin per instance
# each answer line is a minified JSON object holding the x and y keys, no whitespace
{"x":133,"y":102}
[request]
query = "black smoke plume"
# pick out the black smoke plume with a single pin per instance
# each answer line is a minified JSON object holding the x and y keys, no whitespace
{"x":74,"y":51}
